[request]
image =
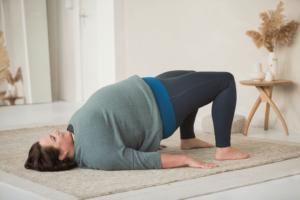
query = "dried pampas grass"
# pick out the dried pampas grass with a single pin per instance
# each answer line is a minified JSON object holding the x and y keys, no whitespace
{"x":285,"y":33}
{"x":9,"y":77}
{"x":18,"y":76}
{"x":4,"y":59}
{"x":273,"y":29}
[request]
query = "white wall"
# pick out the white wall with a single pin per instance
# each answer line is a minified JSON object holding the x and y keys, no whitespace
{"x":66,"y":48}
{"x":163,"y":35}
{"x":119,"y":40}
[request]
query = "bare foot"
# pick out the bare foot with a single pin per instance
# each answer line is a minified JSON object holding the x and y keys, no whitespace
{"x":230,"y":153}
{"x":194,"y":143}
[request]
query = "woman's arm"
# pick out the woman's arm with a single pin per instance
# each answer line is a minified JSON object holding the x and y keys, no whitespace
{"x":170,"y":161}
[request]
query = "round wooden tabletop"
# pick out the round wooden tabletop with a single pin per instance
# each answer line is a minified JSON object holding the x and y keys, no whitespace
{"x":265,"y":83}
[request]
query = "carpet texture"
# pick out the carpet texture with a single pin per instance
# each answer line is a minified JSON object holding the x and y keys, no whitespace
{"x":87,"y":183}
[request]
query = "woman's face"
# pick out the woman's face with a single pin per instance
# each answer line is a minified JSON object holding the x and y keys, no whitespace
{"x":59,"y":140}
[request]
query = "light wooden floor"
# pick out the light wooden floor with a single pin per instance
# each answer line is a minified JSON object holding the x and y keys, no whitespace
{"x":19,"y":116}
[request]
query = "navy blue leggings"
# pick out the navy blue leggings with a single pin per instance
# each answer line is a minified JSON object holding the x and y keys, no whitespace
{"x":190,"y":90}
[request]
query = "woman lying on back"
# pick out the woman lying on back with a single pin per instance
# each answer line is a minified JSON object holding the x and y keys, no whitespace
{"x":120,"y":127}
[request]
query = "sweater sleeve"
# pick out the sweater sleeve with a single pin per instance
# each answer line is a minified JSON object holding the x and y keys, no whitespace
{"x":126,"y":159}
{"x":132,"y":159}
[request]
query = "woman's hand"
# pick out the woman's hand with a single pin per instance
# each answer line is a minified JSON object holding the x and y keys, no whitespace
{"x":162,"y":146}
{"x":195,"y":163}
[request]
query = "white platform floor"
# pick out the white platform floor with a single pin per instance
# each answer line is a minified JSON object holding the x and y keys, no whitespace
{"x":21,"y":116}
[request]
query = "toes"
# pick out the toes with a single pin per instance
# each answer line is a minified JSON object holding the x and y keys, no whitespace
{"x":246,"y":156}
{"x":209,"y":145}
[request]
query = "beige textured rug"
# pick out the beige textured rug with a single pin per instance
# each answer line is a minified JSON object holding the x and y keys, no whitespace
{"x":86,"y":183}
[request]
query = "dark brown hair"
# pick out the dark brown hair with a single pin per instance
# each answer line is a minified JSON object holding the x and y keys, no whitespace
{"x":46,"y":159}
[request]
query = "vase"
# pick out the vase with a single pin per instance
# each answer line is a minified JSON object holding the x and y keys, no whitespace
{"x":14,"y":91}
{"x":273,"y":65}
{"x":269,"y":76}
{"x":257,"y":74}
{"x":8,"y":93}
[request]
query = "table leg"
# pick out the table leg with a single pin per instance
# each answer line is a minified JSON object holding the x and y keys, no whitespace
{"x":268,"y":90}
{"x":257,"y":103}
{"x":12,"y":101}
{"x":269,"y":101}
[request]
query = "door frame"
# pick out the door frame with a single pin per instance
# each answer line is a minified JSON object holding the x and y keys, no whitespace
{"x":78,"y":52}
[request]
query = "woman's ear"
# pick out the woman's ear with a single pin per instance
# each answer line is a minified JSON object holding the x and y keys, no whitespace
{"x":62,"y":155}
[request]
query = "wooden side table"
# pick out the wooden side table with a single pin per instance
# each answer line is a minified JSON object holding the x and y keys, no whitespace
{"x":265,"y":88}
{"x":10,"y":99}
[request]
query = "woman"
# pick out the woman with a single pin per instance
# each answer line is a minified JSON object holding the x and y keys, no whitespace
{"x":121,"y":125}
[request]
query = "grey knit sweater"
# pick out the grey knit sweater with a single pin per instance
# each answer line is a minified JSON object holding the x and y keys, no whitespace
{"x":118,"y":128}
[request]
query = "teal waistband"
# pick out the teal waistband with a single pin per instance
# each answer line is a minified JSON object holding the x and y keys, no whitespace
{"x":165,"y":106}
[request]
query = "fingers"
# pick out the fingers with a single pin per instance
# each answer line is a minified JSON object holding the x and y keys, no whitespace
{"x":161,"y":146}
{"x":195,"y":163}
{"x":206,"y":167}
{"x":209,"y":165}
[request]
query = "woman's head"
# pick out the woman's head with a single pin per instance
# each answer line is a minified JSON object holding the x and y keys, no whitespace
{"x":54,"y":152}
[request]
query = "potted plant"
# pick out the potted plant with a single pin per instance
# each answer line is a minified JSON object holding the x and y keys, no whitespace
{"x":273,"y":30}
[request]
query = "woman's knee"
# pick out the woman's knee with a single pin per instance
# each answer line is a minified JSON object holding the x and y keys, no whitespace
{"x":228,"y":75}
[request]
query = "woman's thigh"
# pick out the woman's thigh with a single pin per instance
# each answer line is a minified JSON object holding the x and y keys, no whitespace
{"x":174,"y":73}
{"x":191,"y":91}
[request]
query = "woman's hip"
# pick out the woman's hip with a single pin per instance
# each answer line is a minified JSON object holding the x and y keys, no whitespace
{"x":191,"y":91}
